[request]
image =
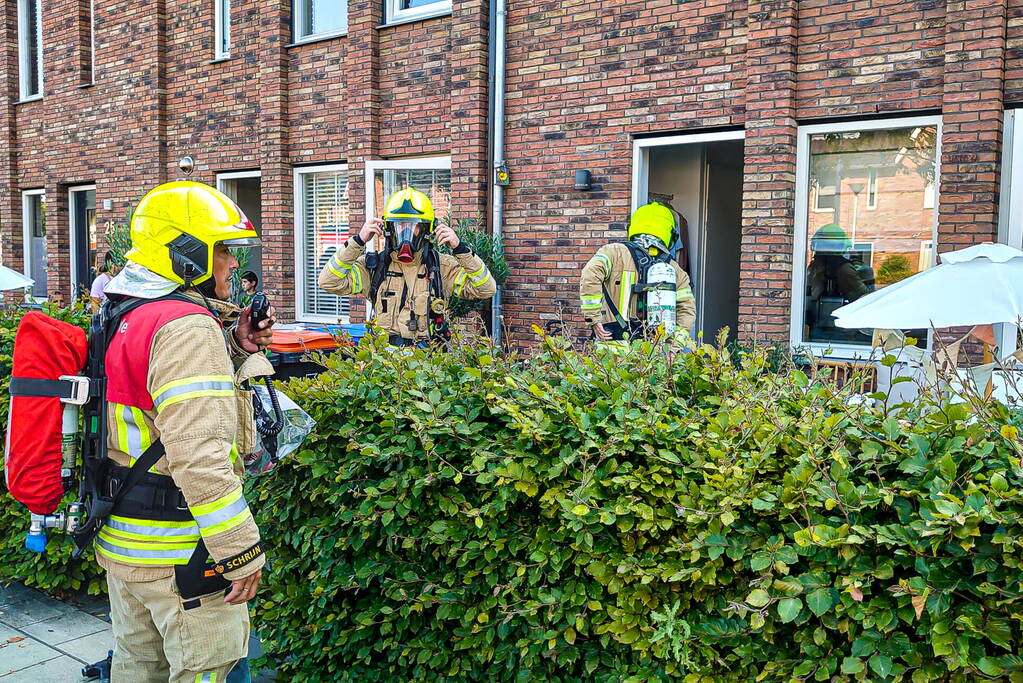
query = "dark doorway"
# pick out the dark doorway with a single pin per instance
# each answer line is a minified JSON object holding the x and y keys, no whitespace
{"x":703,"y":182}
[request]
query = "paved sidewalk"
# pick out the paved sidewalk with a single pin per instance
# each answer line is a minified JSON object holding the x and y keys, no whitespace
{"x":43,"y":640}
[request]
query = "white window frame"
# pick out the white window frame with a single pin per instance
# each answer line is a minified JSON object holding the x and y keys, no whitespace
{"x":298,"y":18}
{"x":73,"y":241}
{"x":300,"y":282}
{"x":26,"y":238}
{"x":92,"y":41}
{"x":641,"y":191}
{"x":1010,"y":209}
{"x":817,"y":200}
{"x":221,"y":33}
{"x":930,"y":195}
{"x":396,"y":15}
{"x":840,"y":351}
{"x":24,"y":95}
{"x":442,"y":163}
{"x":236,"y":175}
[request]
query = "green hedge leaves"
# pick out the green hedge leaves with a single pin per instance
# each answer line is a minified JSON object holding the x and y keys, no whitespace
{"x":467,"y":517}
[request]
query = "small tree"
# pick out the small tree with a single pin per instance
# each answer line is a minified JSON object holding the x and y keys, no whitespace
{"x":896,"y":267}
{"x":472,"y":232}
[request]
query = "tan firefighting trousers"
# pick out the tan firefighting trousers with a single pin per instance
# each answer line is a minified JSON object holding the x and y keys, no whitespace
{"x":157,"y":640}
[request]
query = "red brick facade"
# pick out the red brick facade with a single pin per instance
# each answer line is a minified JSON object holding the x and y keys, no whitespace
{"x":584,"y":80}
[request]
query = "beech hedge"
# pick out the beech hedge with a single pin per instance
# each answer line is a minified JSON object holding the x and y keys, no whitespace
{"x":605,"y":517}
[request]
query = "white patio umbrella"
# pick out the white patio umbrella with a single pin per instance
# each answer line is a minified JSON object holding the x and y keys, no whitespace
{"x":12,"y":279}
{"x":974,"y":286}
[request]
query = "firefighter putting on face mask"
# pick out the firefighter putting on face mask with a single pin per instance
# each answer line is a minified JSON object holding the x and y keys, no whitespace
{"x":630,"y":289}
{"x":167,"y":414}
{"x":409,"y":282}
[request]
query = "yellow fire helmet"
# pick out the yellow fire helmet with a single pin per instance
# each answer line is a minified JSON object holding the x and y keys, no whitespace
{"x":405,"y":209}
{"x":654,"y":219}
{"x":176,"y":226}
{"x":409,"y":204}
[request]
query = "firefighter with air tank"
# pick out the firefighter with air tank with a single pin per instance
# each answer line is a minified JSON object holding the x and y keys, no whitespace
{"x":629,"y":289}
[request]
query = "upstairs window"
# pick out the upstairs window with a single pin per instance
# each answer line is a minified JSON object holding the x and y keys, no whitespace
{"x":410,"y":10}
{"x":222,"y":28}
{"x":30,"y":48}
{"x":315,"y":19}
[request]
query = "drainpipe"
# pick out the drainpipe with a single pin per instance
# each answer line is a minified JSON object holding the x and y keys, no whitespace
{"x":498,"y":21}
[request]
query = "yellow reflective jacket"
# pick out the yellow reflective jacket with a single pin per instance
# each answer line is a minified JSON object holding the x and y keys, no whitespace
{"x":614,"y":268}
{"x":405,"y":290}
{"x":205,"y":421}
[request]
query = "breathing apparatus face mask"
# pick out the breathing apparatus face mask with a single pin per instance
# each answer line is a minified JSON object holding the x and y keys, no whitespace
{"x":405,"y":237}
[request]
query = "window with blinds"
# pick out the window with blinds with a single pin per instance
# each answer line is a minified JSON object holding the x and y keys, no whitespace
{"x":324,"y":228}
{"x":434,"y":183}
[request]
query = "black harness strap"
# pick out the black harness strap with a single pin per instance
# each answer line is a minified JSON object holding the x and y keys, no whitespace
{"x":43,"y":388}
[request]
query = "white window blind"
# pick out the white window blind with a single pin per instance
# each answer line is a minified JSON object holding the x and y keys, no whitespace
{"x":324,"y":230}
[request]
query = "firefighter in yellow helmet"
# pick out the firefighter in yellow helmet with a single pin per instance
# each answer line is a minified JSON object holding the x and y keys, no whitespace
{"x":181,"y":549}
{"x":409,"y":282}
{"x":615,"y":283}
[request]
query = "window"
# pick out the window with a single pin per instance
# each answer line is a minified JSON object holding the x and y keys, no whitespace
{"x":321,"y":227}
{"x":30,"y":48}
{"x":824,"y":195}
{"x":844,"y":252}
{"x":929,"y":195}
{"x":33,"y":217}
{"x":222,"y":28}
{"x":431,"y":176}
{"x":316,"y":19}
{"x":410,"y":10}
{"x":87,"y":42}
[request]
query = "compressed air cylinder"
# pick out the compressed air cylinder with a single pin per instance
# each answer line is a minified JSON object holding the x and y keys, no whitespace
{"x":660,"y":300}
{"x":68,"y":440}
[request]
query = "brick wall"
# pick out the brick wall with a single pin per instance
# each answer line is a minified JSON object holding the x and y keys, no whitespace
{"x":584,"y":80}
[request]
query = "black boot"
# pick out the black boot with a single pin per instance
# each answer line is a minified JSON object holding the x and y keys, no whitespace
{"x":100,"y":671}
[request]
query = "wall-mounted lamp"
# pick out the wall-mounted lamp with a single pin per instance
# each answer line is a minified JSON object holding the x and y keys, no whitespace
{"x":583,"y":180}
{"x":187,"y":165}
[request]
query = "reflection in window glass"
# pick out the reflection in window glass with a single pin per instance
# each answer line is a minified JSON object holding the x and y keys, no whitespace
{"x":852,"y":250}
{"x":412,"y":4}
{"x":322,"y":17}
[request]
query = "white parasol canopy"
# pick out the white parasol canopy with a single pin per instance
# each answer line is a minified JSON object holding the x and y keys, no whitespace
{"x":12,"y":279}
{"x":974,"y":286}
